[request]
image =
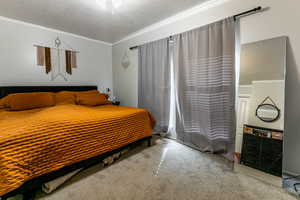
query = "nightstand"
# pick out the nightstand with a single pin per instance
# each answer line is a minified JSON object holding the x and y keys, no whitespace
{"x":116,"y":103}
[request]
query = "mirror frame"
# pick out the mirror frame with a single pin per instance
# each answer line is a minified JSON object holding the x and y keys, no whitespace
{"x":271,"y":120}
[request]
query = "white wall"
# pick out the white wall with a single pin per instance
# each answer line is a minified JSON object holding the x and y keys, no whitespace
{"x":279,"y":20}
{"x":18,"y":58}
{"x":263,"y":60}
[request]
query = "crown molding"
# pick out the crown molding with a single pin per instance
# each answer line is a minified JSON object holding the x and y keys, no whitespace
{"x":179,"y":16}
{"x":246,"y":86}
{"x":269,"y":81}
{"x":53,"y":30}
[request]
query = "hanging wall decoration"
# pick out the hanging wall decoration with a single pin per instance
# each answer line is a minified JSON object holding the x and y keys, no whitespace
{"x":125,"y":61}
{"x":267,"y":112}
{"x":57,"y":60}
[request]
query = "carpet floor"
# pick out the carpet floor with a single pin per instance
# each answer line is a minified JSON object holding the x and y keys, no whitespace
{"x":167,"y":171}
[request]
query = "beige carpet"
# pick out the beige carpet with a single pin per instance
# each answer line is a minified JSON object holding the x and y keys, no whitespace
{"x":166,"y":171}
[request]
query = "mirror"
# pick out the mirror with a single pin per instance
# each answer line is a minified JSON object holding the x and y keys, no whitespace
{"x":267,"y":112}
{"x":260,"y":109}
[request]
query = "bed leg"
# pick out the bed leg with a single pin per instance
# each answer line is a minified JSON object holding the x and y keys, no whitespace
{"x":149,"y":142}
{"x":30,"y":195}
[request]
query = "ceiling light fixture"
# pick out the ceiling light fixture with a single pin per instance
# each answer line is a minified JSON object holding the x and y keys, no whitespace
{"x":111,"y":5}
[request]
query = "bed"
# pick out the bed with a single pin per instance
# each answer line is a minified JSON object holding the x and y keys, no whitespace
{"x":40,"y":145}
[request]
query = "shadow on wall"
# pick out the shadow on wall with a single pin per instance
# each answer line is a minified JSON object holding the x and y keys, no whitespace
{"x":291,"y":152}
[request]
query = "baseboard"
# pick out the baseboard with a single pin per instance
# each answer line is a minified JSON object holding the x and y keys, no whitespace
{"x":290,"y":173}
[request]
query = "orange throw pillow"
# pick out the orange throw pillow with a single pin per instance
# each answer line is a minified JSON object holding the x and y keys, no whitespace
{"x":88,"y":92}
{"x":4,"y":102}
{"x":65,"y":97}
{"x":26,"y":101}
{"x":2,"y":105}
{"x":91,"y":99}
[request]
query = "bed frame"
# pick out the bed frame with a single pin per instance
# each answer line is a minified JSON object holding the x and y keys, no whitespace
{"x":29,"y":188}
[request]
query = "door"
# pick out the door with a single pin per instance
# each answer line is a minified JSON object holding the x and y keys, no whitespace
{"x":242,"y":118}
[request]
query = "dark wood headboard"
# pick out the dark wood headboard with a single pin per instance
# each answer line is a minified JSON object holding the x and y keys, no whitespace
{"x":6,"y":90}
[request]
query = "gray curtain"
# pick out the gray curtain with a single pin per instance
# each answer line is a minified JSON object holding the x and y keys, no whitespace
{"x":154,"y":82}
{"x":204,"y":63}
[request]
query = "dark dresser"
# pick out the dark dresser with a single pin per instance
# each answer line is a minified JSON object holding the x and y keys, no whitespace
{"x":262,"y":149}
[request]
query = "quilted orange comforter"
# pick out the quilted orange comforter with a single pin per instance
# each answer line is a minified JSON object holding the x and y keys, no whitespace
{"x":36,"y":142}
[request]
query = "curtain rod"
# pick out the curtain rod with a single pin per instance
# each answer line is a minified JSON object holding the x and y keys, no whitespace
{"x":235,"y":17}
{"x":248,"y":12}
{"x":35,"y":45}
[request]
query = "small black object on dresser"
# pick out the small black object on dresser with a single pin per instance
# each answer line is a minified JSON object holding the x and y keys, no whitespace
{"x":262,"y":149}
{"x":116,"y":103}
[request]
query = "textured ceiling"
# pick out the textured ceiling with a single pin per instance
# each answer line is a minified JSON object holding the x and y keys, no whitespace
{"x":89,"y":19}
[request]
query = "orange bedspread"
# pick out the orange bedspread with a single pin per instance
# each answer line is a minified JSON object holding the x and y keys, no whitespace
{"x":36,"y":142}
